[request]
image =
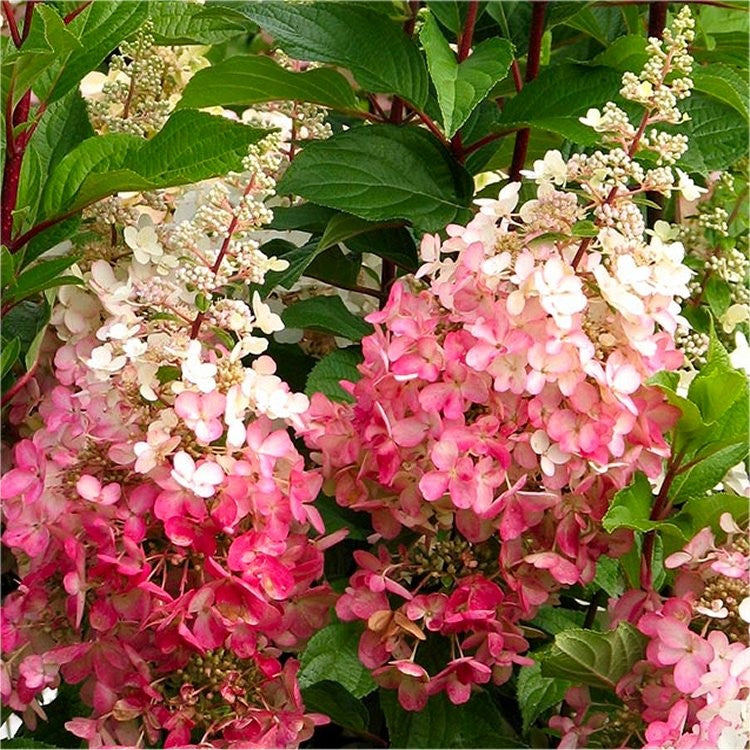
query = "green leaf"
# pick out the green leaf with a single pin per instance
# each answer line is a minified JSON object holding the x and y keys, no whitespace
{"x":50,"y":237}
{"x":306,"y":217}
{"x":450,"y":13}
{"x":191,"y":146}
{"x":7,"y":269}
{"x":336,"y":366}
{"x":393,"y":243}
{"x":595,"y":22}
{"x":707,"y":469}
{"x":342,"y":227}
{"x":8,"y":356}
{"x":717,"y":134}
{"x":383,"y":172}
{"x":625,"y":53}
{"x":716,"y":20}
{"x":476,"y":724}
{"x":699,"y":512}
{"x":191,"y":23}
{"x":327,"y":314}
{"x":25,"y":320}
{"x":331,"y":654}
{"x":462,"y":86}
{"x":609,"y":576}
{"x":587,"y":657}
{"x":729,"y":48}
{"x":375,"y":48}
{"x":718,"y":385}
{"x":723,"y":83}
{"x":299,"y":258}
{"x":62,"y":128}
{"x":48,"y":45}
{"x":43,"y":275}
{"x":249,"y":79}
{"x":666,"y":379}
{"x":585,"y":229}
{"x":631,"y":509}
{"x":536,"y":693}
{"x":99,"y":28}
{"x":558,"y":97}
{"x":718,"y":294}
{"x":32,"y":352}
{"x":334,"y":700}
{"x":556,"y":619}
{"x":21,"y":743}
{"x":167,"y":373}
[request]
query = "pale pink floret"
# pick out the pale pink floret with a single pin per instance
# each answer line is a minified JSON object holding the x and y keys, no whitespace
{"x":201,"y":412}
{"x":201,"y":479}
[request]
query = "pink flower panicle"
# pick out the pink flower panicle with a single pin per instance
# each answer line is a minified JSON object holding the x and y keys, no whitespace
{"x":500,"y":407}
{"x":692,"y":689}
{"x":169,"y":552}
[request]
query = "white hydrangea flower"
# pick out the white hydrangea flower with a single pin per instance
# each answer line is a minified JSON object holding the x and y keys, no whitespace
{"x":503,"y":205}
{"x":103,"y":362}
{"x":552,"y":168}
{"x":194,"y":370}
{"x":268,"y":321}
{"x":740,"y":357}
{"x":690,"y":191}
{"x":736,"y":314}
{"x":201,"y":480}
{"x":592,"y":119}
{"x":550,"y":454}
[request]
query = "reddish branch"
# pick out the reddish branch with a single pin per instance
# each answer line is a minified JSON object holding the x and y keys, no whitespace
{"x":532,"y":69}
{"x":27,"y":18}
{"x":467,"y":35}
{"x":16,"y":146}
{"x":196,"y":327}
{"x":16,"y":387}
{"x":12,"y":25}
{"x":434,"y":129}
{"x":471,"y":148}
{"x":657,"y":20}
{"x":661,"y":508}
{"x":76,"y":11}
{"x":516,"y":70}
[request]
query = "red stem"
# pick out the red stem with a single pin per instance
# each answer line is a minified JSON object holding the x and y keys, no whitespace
{"x":613,"y":192}
{"x":13,"y":162}
{"x":12,"y":25}
{"x":20,"y":383}
{"x":429,"y":122}
{"x":533,"y":59}
{"x":472,"y":147}
{"x":657,"y":20}
{"x":516,"y":70}
{"x":378,"y":109}
{"x":467,"y":34}
{"x":660,"y":509}
{"x":397,"y":105}
{"x":464,"y":48}
{"x":27,"y":18}
{"x":657,"y":17}
{"x":76,"y":11}
{"x":196,"y":327}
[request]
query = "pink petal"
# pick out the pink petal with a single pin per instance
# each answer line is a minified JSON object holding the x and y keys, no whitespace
{"x":188,"y":405}
{"x":433,"y":485}
{"x":88,"y":487}
{"x":110,"y":494}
